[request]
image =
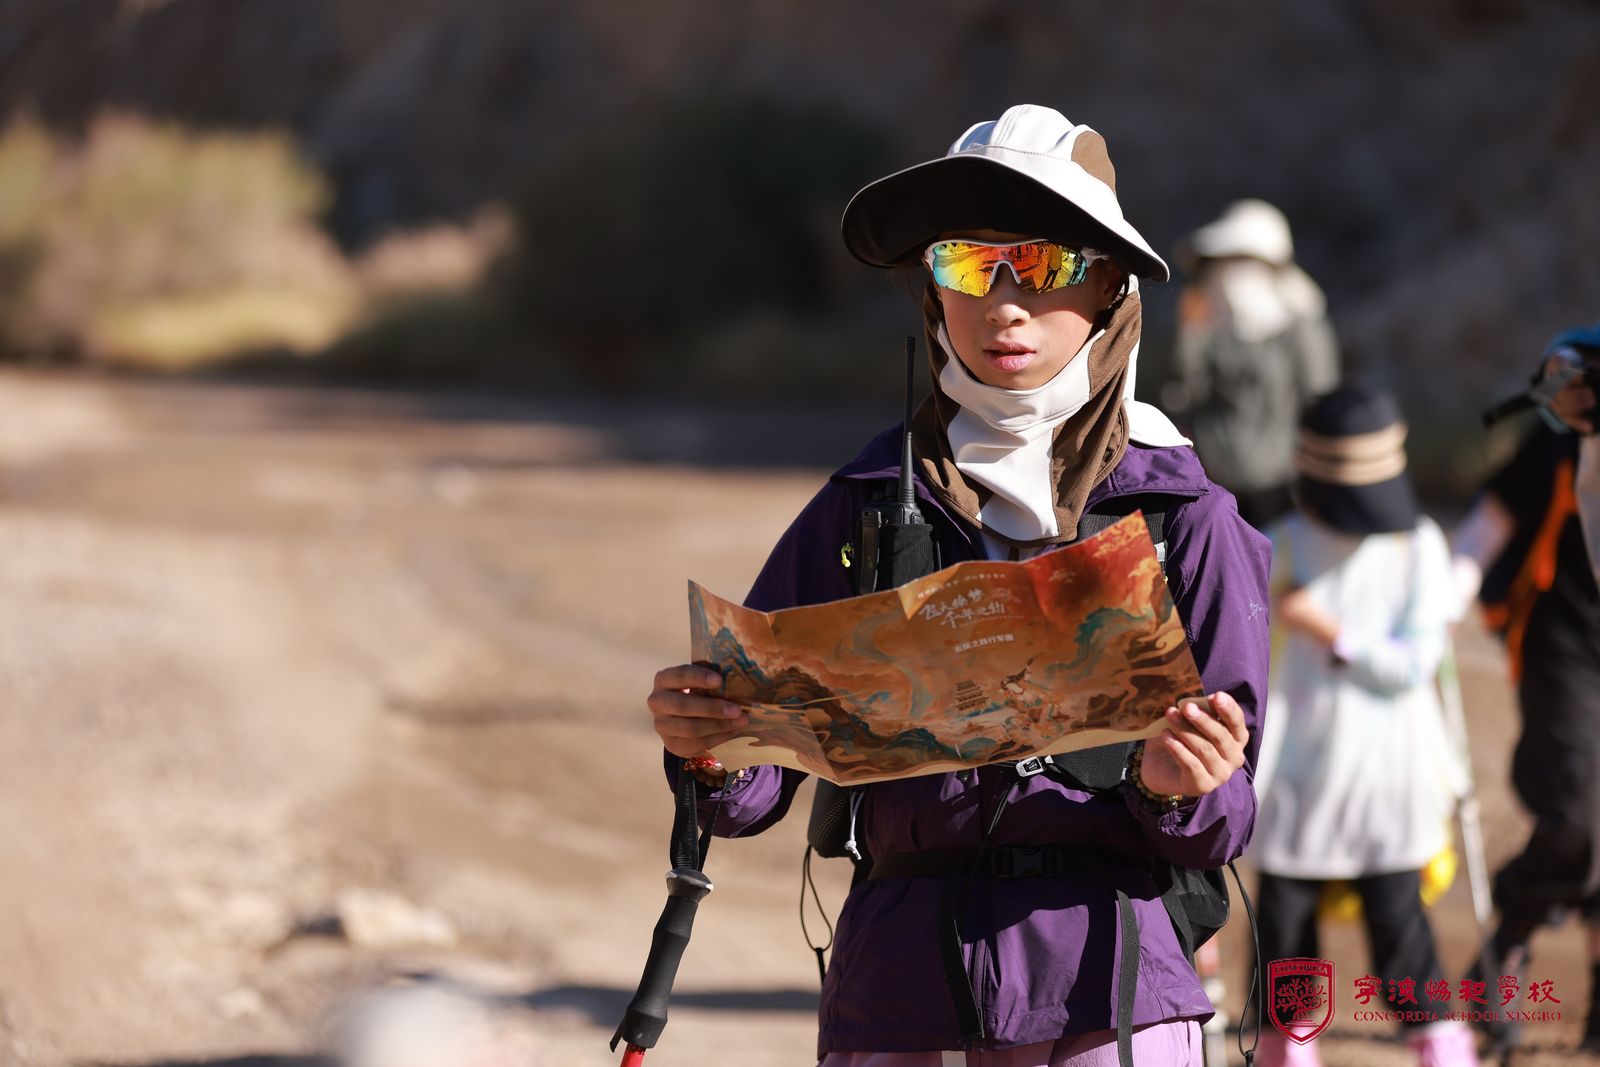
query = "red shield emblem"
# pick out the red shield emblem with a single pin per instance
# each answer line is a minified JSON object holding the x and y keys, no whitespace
{"x":1300,"y":996}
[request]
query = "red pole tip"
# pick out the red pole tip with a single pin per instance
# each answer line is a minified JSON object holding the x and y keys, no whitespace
{"x":633,"y":1056}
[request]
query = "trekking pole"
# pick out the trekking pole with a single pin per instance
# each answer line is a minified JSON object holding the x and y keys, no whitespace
{"x":646,"y":1016}
{"x":1467,"y":811}
{"x":687,"y":885}
{"x":1214,"y":1034}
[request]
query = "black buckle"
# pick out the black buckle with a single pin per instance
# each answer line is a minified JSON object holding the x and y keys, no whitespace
{"x":1020,"y":861}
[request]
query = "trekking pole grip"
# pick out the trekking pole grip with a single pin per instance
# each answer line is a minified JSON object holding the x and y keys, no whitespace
{"x":646,"y":1016}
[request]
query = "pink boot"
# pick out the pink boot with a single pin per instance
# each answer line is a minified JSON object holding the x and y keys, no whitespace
{"x":1276,"y":1050}
{"x":1445,"y":1044}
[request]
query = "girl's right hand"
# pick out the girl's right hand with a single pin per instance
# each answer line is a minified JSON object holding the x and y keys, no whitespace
{"x":688,"y":717}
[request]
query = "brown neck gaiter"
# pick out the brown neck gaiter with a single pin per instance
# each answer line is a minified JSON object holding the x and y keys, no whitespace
{"x":1086,"y":447}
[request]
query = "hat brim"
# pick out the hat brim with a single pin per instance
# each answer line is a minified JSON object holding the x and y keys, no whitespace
{"x":891,"y":221}
{"x":1383,"y":507}
{"x":1584,"y":338}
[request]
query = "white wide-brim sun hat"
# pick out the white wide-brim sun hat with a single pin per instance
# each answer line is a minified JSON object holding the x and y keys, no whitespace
{"x":1031,"y":171}
{"x":1248,"y":228}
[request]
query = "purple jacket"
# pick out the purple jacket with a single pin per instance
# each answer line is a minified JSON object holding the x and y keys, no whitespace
{"x":1042,"y":953}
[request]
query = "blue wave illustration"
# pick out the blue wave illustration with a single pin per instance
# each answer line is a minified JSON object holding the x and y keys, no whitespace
{"x":1097,"y":630}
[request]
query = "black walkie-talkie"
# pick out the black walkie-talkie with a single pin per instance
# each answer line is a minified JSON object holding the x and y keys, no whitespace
{"x":894,"y":544}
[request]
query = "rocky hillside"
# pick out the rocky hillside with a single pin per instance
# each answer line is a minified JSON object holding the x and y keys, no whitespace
{"x":1438,"y":158}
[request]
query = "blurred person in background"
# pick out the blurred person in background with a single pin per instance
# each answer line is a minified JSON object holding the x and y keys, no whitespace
{"x":1253,"y":346}
{"x":1032,"y":315}
{"x":1529,"y":550}
{"x":1358,"y":777}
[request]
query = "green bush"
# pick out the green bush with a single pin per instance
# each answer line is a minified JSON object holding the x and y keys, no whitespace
{"x":684,"y":221}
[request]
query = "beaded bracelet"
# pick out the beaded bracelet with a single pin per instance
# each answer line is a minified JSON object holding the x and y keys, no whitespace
{"x":1152,"y":801}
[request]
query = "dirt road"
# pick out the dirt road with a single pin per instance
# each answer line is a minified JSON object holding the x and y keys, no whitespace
{"x":302,"y":691}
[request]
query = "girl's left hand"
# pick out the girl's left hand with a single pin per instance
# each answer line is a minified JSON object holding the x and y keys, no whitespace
{"x":1296,"y":610}
{"x":1197,"y":752}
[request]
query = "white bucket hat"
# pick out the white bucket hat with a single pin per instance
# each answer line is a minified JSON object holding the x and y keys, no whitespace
{"x":1031,"y":171}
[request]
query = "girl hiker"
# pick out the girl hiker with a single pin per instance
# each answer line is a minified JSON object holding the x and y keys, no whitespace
{"x":1032,"y":314}
{"x":1533,"y":539}
{"x":1359,"y":779}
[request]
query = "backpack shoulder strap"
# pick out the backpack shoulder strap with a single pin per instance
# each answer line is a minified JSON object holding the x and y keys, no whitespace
{"x":1108,"y":512}
{"x":1099,"y":769}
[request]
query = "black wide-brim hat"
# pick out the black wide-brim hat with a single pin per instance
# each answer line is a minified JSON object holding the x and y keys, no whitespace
{"x":1031,"y":171}
{"x":1351,"y":463}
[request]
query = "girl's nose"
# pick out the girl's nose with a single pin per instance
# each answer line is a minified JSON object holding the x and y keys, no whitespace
{"x":1004,"y":305}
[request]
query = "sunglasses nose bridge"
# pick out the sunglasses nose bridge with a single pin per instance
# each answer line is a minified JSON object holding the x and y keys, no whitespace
{"x":994,"y":274}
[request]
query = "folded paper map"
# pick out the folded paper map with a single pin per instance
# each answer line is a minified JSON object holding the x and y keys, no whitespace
{"x":981,"y":662}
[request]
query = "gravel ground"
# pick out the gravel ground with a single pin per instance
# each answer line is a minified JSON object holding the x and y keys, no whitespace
{"x":306,"y":694}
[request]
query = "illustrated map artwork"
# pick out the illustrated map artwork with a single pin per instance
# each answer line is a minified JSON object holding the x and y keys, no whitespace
{"x":980,"y":662}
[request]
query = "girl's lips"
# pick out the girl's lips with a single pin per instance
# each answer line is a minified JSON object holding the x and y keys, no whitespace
{"x":1009,"y":358}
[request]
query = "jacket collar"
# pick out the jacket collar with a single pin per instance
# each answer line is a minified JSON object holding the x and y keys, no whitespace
{"x":1172,"y":471}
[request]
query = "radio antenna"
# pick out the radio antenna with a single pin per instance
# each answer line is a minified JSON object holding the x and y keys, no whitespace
{"x":908,"y":491}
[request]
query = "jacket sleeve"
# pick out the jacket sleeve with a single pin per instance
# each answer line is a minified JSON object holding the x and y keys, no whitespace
{"x":804,"y":568}
{"x":1218,"y":566}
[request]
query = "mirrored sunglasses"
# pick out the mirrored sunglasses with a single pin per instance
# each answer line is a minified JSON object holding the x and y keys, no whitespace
{"x":970,"y":267}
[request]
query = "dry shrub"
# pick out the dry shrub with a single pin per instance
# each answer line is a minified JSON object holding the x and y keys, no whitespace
{"x":148,"y":243}
{"x":437,"y":259}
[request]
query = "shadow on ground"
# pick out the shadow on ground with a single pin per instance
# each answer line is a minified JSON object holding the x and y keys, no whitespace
{"x":236,"y":1061}
{"x":606,"y":1004}
{"x":633,"y":428}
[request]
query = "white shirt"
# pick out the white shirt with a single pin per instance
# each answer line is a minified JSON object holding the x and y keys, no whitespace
{"x":1358,"y":774}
